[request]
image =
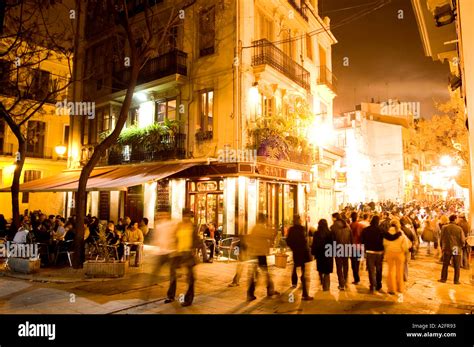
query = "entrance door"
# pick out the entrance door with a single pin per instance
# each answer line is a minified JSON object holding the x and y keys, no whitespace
{"x":209,"y":207}
{"x":134,"y":203}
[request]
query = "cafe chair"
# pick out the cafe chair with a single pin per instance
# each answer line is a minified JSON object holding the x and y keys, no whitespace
{"x":229,"y":244}
{"x":64,"y":247}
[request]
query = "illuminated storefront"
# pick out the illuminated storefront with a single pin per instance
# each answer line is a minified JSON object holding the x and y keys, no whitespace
{"x":231,"y":195}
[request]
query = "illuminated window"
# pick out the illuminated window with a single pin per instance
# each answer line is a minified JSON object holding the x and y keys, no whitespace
{"x":206,"y":104}
{"x":309,"y":47}
{"x":30,"y":175}
{"x":165,"y":109}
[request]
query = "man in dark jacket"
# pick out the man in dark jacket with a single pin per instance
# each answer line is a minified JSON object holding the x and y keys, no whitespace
{"x":372,"y":240}
{"x":452,"y":240}
{"x":298,"y":243}
{"x":343,"y":236}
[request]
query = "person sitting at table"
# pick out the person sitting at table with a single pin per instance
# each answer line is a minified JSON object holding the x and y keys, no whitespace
{"x":134,"y":237}
{"x":213,"y":237}
{"x":60,"y":232}
{"x":144,"y":226}
{"x":23,"y":233}
{"x":114,"y":238}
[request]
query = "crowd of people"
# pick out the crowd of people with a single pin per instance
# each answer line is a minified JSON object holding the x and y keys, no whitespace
{"x":53,"y":232}
{"x":359,"y":238}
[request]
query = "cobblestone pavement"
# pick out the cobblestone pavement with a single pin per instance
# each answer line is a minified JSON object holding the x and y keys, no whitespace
{"x":66,"y":291}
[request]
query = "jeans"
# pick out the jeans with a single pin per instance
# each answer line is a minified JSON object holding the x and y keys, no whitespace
{"x":325,"y":280}
{"x":457,"y":266}
{"x":253,"y":276}
{"x":294,"y":278}
{"x":374,"y":264}
{"x":355,"y":264}
{"x":186,"y":259}
{"x":342,"y":265}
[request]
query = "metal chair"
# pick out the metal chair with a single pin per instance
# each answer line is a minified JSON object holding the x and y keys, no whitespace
{"x":64,"y":248}
{"x":228,"y":244}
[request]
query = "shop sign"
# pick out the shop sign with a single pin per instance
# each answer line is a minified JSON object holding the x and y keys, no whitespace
{"x":282,"y":173}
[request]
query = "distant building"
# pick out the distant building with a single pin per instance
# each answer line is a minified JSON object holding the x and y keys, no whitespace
{"x":377,"y":165}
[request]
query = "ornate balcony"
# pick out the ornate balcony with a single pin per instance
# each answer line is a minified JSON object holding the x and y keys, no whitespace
{"x":327,"y":79}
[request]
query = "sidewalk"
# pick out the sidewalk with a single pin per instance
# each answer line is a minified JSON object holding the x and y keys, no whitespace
{"x":142,"y":291}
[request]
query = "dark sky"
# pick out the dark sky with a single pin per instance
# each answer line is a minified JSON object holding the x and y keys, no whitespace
{"x":386,"y":57}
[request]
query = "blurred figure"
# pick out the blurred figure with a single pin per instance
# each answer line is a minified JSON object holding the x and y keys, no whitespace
{"x":322,"y":237}
{"x":298,"y":244}
{"x":242,"y":258}
{"x":3,"y":226}
{"x":396,"y":246}
{"x":343,"y":236}
{"x":428,"y":235}
{"x":183,"y":256}
{"x":259,"y":242}
{"x":452,"y":241}
{"x":144,"y":226}
{"x":372,"y":239}
{"x":466,"y":250}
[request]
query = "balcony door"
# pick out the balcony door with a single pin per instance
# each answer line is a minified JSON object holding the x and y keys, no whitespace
{"x":35,"y":138}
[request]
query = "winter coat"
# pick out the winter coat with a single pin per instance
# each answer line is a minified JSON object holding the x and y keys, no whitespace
{"x":372,"y":239}
{"x":259,"y":240}
{"x":318,"y":249}
{"x":297,"y":241}
{"x":452,"y":239}
{"x":342,"y":232}
{"x":396,"y":241}
{"x":428,"y":234}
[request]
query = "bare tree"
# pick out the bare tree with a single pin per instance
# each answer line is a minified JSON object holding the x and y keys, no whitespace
{"x":145,"y":37}
{"x":32,"y":35}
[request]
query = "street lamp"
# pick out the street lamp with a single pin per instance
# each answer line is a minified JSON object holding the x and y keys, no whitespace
{"x":60,"y":150}
{"x":445,"y":160}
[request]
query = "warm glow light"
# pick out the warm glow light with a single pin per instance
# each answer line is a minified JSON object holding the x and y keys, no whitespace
{"x":410,"y":178}
{"x":60,"y":150}
{"x":321,"y":134}
{"x":253,"y":96}
{"x":142,"y":97}
{"x":146,"y":114}
{"x":445,"y":160}
{"x":10,"y":169}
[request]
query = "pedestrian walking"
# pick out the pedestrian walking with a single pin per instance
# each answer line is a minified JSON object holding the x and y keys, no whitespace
{"x":322,"y":239}
{"x":372,"y":239}
{"x":396,"y":246}
{"x":298,"y":244}
{"x":452,"y":241}
{"x":183,"y":256}
{"x":428,"y":235}
{"x":242,"y":258}
{"x":343,"y":236}
{"x":466,"y":250}
{"x":259,"y":242}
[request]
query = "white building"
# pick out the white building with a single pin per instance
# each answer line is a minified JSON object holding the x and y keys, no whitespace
{"x":373,"y":166}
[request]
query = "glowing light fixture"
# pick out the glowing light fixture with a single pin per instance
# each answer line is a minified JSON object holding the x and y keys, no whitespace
{"x":60,"y":150}
{"x":140,"y":96}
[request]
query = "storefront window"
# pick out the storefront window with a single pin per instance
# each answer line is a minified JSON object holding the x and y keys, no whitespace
{"x":206,"y":199}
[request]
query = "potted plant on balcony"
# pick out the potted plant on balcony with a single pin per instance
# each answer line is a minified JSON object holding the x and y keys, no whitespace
{"x":104,"y":265}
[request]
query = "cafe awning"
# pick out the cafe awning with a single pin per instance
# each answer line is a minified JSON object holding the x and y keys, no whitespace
{"x":104,"y":179}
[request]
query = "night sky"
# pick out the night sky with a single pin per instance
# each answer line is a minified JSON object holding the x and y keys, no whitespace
{"x":386,"y":57}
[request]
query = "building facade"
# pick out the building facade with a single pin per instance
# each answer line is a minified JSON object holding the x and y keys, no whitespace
{"x":219,"y":110}
{"x":45,"y":131}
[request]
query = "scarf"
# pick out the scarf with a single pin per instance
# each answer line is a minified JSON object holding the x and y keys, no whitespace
{"x":391,"y":237}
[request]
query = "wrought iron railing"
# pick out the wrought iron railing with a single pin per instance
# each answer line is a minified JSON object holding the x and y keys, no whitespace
{"x":327,"y":77}
{"x":300,"y":7}
{"x":265,"y":52}
{"x":173,"y":62}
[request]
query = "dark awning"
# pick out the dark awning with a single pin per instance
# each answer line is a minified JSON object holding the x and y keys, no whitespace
{"x":104,"y":179}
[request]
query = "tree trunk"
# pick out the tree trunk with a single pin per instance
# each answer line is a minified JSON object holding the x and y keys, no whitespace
{"x":15,"y":188}
{"x":99,"y":150}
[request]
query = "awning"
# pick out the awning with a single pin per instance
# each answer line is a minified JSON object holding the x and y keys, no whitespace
{"x":104,"y":179}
